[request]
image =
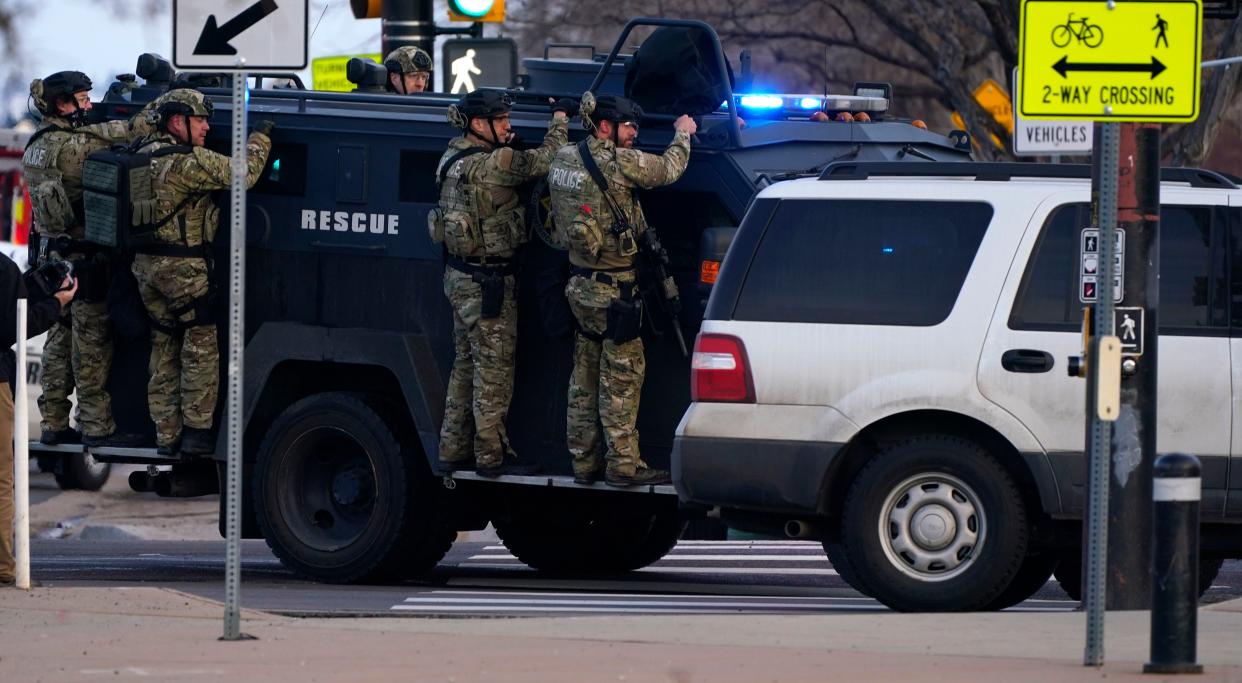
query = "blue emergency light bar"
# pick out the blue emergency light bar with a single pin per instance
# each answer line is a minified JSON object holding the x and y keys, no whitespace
{"x":794,"y":106}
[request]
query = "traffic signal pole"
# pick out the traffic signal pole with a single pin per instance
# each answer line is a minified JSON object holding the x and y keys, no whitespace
{"x":1117,"y":526}
{"x":408,"y":22}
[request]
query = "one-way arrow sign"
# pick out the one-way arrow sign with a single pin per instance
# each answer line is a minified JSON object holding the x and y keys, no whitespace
{"x":214,"y":40}
{"x":228,"y":35}
{"x":1064,"y":66}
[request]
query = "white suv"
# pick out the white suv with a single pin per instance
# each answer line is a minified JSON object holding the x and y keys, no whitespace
{"x":883,"y":367}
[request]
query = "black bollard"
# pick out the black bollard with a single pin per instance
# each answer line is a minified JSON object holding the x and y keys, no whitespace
{"x":1175,"y":565}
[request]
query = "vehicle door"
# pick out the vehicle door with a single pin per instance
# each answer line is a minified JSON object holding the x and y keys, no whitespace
{"x":1037,"y":324}
{"x":1233,"y":507}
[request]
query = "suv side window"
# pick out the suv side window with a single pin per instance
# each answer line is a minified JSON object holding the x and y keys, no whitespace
{"x":862,"y":261}
{"x":1193,"y":277}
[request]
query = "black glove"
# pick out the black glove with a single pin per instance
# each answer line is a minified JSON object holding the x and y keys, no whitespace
{"x":265,"y":127}
{"x":566,"y":104}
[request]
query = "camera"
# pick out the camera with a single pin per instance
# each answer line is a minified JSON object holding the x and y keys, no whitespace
{"x":51,"y":275}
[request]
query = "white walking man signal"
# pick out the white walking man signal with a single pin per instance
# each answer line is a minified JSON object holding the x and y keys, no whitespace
{"x":462,"y":67}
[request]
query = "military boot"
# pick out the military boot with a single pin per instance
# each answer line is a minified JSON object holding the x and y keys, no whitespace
{"x":641,"y":477}
{"x":508,"y":466}
{"x":59,"y":436}
{"x":197,"y":441}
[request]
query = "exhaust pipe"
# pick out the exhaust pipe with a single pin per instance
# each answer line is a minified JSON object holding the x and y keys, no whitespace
{"x":798,"y":528}
{"x":181,"y":482}
{"x":141,"y":482}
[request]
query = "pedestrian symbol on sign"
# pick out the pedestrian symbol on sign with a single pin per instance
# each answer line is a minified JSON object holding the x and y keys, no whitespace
{"x":462,"y":67}
{"x":1128,"y":327}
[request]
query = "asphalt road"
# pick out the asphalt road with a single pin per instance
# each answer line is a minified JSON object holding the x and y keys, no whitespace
{"x":482,"y":579}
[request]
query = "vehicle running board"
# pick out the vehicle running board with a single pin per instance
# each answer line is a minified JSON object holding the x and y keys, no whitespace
{"x":138,"y":456}
{"x":555,"y":481}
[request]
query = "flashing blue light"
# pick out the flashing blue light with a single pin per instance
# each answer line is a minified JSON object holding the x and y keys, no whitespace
{"x":887,"y":250}
{"x":762,"y":102}
{"x":810,"y":103}
{"x":276,"y":165}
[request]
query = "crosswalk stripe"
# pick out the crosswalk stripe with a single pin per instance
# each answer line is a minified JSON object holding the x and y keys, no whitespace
{"x":636,"y":610}
{"x":559,"y":594}
{"x":619,"y":603}
{"x":659,"y":569}
{"x":701,"y":558}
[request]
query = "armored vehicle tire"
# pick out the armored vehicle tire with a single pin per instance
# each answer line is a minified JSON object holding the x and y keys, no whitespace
{"x":840,"y":561}
{"x":1069,"y":573}
{"x":82,"y":471}
{"x":935,"y":523}
{"x":589,"y":540}
{"x":1034,"y":574}
{"x":339,"y":499}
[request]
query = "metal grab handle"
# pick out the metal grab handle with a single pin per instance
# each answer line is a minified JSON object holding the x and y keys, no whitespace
{"x":1027,"y":360}
{"x":573,"y":46}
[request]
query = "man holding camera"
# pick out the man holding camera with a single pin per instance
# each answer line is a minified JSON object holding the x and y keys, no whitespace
{"x":78,"y":350}
{"x":41,"y":314}
{"x":595,"y":211}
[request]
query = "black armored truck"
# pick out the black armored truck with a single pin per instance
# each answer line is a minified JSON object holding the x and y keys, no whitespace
{"x":348,"y":334}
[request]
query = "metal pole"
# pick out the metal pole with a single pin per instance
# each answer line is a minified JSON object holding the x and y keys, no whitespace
{"x":1134,"y":432}
{"x":1095,"y":529}
{"x":409,"y":22}
{"x":1220,"y":62}
{"x":237,"y":302}
{"x":21,"y":457}
{"x":1175,"y":592}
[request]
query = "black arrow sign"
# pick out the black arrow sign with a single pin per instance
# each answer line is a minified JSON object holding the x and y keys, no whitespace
{"x":1064,"y":66}
{"x":214,"y":40}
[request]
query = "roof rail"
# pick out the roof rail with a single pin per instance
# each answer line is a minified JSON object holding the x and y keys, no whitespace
{"x":1001,"y":171}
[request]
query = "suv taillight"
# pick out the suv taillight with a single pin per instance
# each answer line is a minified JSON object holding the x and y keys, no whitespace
{"x":719,"y":370}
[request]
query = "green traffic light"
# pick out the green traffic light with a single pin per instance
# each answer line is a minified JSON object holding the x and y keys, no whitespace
{"x":472,"y":8}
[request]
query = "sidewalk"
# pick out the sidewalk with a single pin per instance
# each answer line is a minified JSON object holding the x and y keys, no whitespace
{"x":81,"y":634}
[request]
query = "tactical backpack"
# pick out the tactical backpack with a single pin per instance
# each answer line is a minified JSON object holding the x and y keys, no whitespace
{"x":119,"y":196}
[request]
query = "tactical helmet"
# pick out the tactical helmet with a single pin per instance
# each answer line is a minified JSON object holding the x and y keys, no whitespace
{"x":616,"y":108}
{"x":50,"y":90}
{"x":183,"y":101}
{"x":484,"y":104}
{"x":408,"y":60}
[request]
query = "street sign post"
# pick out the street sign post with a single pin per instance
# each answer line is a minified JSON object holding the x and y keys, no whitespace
{"x":235,"y":36}
{"x":1132,"y":60}
{"x":213,"y":34}
{"x":472,"y":63}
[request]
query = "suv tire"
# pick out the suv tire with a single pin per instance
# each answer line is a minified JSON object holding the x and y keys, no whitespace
{"x":935,"y":524}
{"x":840,"y":561}
{"x":1034,"y":574}
{"x":81,"y":471}
{"x":338,"y":498}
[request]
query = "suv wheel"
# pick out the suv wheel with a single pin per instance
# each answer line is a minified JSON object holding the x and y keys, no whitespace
{"x":339,"y":499}
{"x":935,"y":524}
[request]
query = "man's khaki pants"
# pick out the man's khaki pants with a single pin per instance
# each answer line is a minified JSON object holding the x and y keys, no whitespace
{"x":8,"y":568}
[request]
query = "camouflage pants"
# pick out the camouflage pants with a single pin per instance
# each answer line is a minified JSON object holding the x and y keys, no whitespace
{"x":481,"y":383}
{"x":185,"y":367}
{"x":8,"y":567}
{"x":78,"y":356}
{"x":605,"y":387}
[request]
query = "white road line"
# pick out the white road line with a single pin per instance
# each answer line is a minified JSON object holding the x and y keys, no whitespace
{"x":701,"y":558}
{"x":728,"y":545}
{"x":637,"y":610}
{"x":677,"y":596}
{"x":807,"y":571}
{"x":619,"y":603}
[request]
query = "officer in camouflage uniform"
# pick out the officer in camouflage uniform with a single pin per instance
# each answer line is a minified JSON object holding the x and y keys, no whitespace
{"x":409,"y":70}
{"x":174,"y":273}
{"x":78,"y":350}
{"x":602,"y":235}
{"x":481,"y":223}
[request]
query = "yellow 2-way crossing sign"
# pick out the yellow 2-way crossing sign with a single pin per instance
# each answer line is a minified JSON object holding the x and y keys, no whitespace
{"x":1120,"y":60}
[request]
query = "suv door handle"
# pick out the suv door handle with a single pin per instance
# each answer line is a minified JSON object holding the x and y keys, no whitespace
{"x":1027,"y":360}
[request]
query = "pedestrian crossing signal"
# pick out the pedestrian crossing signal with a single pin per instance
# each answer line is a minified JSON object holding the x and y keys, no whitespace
{"x":476,"y":10}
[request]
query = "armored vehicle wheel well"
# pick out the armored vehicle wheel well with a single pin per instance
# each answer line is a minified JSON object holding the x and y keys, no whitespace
{"x":293,"y":380}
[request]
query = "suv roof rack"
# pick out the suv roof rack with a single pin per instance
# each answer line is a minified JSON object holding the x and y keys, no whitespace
{"x":1001,"y":171}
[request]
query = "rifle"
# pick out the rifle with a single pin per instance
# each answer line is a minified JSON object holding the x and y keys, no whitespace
{"x":654,"y":269}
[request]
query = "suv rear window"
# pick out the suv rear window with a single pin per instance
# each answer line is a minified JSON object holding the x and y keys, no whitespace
{"x":862,"y":262}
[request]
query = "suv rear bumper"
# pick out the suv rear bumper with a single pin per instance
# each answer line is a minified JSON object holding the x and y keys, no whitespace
{"x":766,"y":475}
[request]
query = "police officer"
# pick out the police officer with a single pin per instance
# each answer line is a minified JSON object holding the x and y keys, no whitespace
{"x":601,"y":228}
{"x":174,"y":273}
{"x":78,"y":350}
{"x":409,"y":70}
{"x":481,"y":223}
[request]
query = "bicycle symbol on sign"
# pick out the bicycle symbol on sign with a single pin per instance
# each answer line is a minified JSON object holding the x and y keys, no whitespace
{"x":1087,"y":34}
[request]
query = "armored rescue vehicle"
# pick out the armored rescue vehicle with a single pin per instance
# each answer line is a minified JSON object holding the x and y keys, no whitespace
{"x":348,"y":334}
